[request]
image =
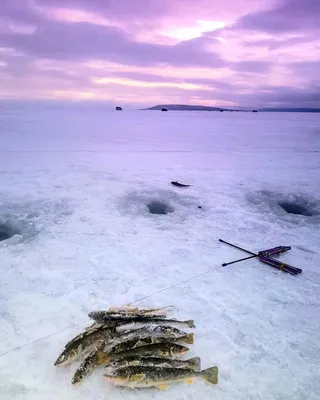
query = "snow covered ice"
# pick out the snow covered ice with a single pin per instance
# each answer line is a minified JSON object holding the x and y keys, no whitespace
{"x":76,"y":187}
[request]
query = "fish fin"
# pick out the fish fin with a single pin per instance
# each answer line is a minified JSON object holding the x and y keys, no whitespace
{"x":210,"y":375}
{"x":190,"y":323}
{"x":194,"y":363}
{"x":189,"y":339}
{"x":162,"y":387}
{"x":189,"y":380}
{"x":137,"y":377}
{"x":102,"y":357}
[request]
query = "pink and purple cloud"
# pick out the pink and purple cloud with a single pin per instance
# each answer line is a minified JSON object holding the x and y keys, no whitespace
{"x":236,"y":52}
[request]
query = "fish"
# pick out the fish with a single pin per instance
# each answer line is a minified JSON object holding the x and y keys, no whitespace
{"x":145,"y":377}
{"x":135,"y":343}
{"x":129,"y":326}
{"x":160,"y":311}
{"x":192,"y":363}
{"x":147,"y":331}
{"x":119,"y":320}
{"x":106,"y":316}
{"x":81,"y":346}
{"x":92,"y":360}
{"x":160,"y":350}
{"x":93,"y":328}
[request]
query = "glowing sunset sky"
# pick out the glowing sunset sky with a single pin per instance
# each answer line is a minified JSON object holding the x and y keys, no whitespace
{"x":145,"y":52}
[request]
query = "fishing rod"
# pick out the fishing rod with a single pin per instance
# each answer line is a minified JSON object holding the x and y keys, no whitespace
{"x":264,"y":256}
{"x":241,"y":259}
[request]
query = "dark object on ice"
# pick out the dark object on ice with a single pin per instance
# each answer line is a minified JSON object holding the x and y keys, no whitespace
{"x":221,"y":110}
{"x":254,"y":110}
{"x":160,"y":208}
{"x":118,"y":108}
{"x":174,"y":183}
{"x":199,"y":206}
{"x":264,"y":256}
{"x":274,"y":250}
{"x":294,"y":208}
{"x":164,"y":109}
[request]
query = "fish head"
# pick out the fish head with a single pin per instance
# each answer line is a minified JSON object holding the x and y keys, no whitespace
{"x":60,"y":360}
{"x":123,"y":377}
{"x":65,"y":357}
{"x":77,"y":377}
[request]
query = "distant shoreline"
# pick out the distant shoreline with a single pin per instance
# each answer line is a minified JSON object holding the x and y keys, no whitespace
{"x":184,"y":107}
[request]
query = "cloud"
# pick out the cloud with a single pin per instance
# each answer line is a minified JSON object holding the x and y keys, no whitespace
{"x":291,"y":97}
{"x":144,"y":9}
{"x":258,"y":67}
{"x":288,"y":16}
{"x":268,"y":96}
{"x":132,"y":51}
{"x":307,"y":69}
{"x":273,"y":44}
{"x":83,"y":41}
{"x":146,"y":77}
{"x":153,"y":11}
{"x":20,"y":11}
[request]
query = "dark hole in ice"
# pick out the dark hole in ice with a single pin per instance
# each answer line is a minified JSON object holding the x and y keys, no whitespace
{"x":5,"y":233}
{"x":4,"y":236}
{"x":295,"y":208}
{"x":160,"y":208}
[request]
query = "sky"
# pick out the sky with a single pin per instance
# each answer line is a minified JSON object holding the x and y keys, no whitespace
{"x":245,"y":53}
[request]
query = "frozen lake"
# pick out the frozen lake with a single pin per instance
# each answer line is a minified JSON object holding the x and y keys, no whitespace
{"x":76,"y":183}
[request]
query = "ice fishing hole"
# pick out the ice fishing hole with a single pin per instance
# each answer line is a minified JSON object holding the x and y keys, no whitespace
{"x":159,"y":207}
{"x":295,"y":208}
{"x":6,"y":232}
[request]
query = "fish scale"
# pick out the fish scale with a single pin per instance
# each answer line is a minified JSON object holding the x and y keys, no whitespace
{"x":145,"y":377}
{"x":192,"y":363}
{"x":139,"y":342}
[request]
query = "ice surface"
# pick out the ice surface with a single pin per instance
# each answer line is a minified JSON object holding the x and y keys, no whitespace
{"x":75,"y":185}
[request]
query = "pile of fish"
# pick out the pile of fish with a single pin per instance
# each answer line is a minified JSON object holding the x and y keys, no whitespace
{"x":139,"y":348}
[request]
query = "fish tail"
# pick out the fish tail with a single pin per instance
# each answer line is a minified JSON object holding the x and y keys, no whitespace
{"x":190,"y":323}
{"x":189,"y":339}
{"x":102,"y":358}
{"x":194,"y":363}
{"x":210,"y":375}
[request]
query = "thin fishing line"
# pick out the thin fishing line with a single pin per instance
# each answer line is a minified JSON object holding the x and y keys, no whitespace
{"x":40,"y":339}
{"x":172,"y":286}
{"x":129,"y":235}
{"x":81,"y":323}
